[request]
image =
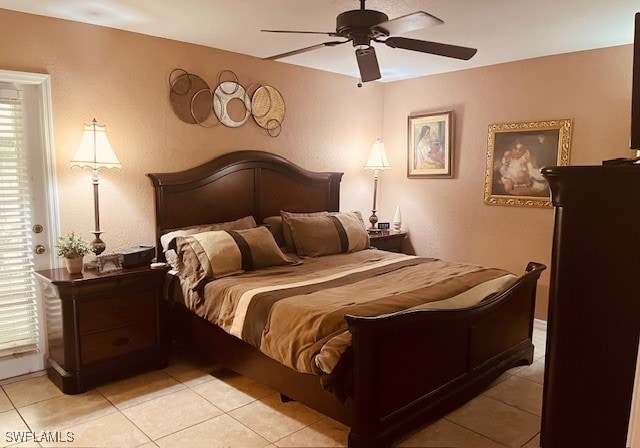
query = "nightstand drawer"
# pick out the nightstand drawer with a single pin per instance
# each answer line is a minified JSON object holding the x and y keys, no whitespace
{"x":119,"y":341}
{"x":390,"y":245}
{"x":111,"y":312}
{"x":391,"y":242}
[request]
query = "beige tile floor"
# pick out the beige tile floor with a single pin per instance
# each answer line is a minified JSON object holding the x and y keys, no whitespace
{"x":193,"y":403}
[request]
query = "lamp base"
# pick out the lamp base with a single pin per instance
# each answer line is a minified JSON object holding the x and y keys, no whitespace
{"x":373,"y":219}
{"x":97,"y":245}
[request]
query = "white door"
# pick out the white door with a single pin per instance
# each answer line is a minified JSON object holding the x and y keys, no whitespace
{"x":28,"y":218}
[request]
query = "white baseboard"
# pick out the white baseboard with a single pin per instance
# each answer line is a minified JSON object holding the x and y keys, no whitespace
{"x":540,"y":324}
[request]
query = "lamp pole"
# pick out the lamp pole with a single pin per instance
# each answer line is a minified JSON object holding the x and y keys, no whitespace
{"x":373,"y":219}
{"x":97,"y":245}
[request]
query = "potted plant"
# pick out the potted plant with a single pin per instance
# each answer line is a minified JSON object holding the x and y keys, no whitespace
{"x":73,"y":249}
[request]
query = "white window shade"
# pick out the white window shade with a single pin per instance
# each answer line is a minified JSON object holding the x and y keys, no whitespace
{"x":18,"y":306}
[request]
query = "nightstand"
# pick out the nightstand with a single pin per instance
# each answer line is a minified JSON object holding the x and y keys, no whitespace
{"x":101,"y":327}
{"x":389,"y":241}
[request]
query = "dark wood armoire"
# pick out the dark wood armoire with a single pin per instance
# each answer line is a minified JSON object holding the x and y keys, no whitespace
{"x":594,"y":306}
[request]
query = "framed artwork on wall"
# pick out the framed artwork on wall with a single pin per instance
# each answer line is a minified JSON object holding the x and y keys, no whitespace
{"x":515,"y":154}
{"x":430,"y":145}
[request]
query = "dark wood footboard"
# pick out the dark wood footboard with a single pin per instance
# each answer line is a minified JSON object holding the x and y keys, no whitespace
{"x":413,"y":367}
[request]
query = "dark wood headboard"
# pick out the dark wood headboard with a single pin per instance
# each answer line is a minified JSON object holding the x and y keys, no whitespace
{"x":236,"y":185}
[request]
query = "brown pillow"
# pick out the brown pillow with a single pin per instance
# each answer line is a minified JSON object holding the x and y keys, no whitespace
{"x":286,"y":228}
{"x":330,"y":234}
{"x":209,"y":255}
{"x":274,"y":224}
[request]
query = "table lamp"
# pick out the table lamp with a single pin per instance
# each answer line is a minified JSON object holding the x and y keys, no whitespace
{"x":377,"y":161}
{"x":96,"y":153}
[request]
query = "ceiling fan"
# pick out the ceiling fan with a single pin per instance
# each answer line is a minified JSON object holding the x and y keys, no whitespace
{"x":362,"y":26}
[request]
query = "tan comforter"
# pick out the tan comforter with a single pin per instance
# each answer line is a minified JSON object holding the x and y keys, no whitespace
{"x":295,"y":314}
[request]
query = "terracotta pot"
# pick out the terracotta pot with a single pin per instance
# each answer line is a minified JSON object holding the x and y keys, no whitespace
{"x":74,"y":265}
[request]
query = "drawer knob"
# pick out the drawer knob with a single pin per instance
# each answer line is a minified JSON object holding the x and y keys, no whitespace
{"x":119,"y":310}
{"x":120,"y":342}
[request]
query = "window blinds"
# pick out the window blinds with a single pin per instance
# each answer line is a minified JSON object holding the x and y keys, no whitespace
{"x":18,"y":311}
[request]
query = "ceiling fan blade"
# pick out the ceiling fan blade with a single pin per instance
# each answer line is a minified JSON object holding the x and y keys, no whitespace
{"x":327,"y":33}
{"x":450,"y":51}
{"x":368,"y":64}
{"x":305,"y":49}
{"x":411,"y":22}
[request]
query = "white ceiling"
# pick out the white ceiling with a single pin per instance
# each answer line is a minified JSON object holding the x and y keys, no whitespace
{"x":501,"y":30}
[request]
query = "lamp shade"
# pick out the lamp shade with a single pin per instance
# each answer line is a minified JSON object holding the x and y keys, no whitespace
{"x":94,"y":150}
{"x":377,"y":157}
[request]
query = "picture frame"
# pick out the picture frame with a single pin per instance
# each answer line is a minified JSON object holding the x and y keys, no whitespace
{"x":515,"y":154}
{"x":109,"y":263}
{"x":430,"y":145}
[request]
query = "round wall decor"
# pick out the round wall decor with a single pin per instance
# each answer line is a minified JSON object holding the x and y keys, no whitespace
{"x":193,"y":101}
{"x":267,"y":107}
{"x":183,"y":89}
{"x":224,"y":93}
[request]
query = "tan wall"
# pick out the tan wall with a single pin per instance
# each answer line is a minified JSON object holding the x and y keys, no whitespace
{"x":121,"y":79}
{"x":447,"y":218}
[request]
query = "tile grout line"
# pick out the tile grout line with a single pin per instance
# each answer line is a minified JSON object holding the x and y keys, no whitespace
{"x":65,"y":427}
{"x":14,"y":408}
{"x":269,"y":442}
{"x":528,"y":441}
{"x":510,"y":405}
{"x":475,"y":432}
{"x":126,"y":417}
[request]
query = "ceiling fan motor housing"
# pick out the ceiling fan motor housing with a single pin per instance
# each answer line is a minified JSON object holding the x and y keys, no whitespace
{"x":359,"y":25}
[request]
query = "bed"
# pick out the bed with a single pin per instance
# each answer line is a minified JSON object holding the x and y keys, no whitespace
{"x":403,"y":369}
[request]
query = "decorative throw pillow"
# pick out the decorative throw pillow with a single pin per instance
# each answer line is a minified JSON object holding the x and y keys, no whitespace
{"x":218,"y":253}
{"x":286,"y":228}
{"x":168,"y":240}
{"x":330,"y":234}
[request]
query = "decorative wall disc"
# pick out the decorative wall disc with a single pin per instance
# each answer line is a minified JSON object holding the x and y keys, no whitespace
{"x":267,"y":106}
{"x":223,"y":94}
{"x":183,"y":89}
{"x":194,"y":100}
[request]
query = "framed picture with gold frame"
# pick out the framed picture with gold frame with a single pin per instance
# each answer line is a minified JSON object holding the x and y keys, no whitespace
{"x":430,"y":145}
{"x":515,"y":154}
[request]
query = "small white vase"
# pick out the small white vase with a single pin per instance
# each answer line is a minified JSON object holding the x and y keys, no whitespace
{"x":397,"y":220}
{"x":74,"y":265}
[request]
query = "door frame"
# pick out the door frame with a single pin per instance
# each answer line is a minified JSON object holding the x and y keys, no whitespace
{"x":42,"y":83}
{"x":45,"y":111}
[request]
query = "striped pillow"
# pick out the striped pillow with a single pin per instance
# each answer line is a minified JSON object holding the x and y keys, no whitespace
{"x":209,"y":255}
{"x":326,"y":235}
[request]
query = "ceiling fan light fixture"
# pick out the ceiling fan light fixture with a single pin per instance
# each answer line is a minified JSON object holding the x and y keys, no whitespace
{"x":368,"y":64}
